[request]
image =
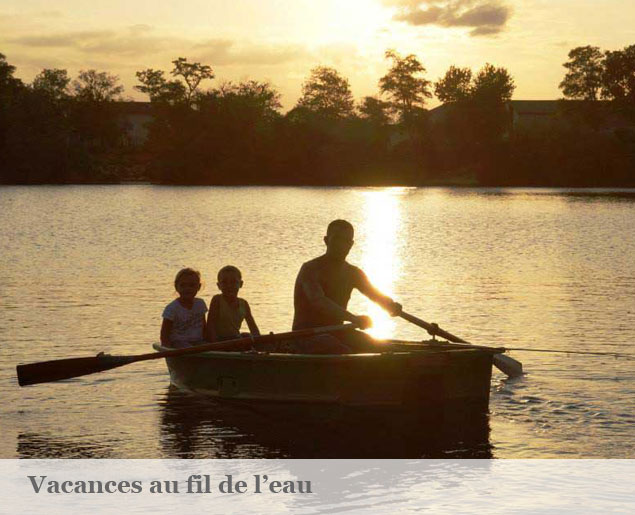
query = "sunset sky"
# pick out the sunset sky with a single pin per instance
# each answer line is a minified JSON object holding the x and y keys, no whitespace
{"x":281,"y":40}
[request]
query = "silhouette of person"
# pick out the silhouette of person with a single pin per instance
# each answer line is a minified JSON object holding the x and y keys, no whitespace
{"x":323,"y":288}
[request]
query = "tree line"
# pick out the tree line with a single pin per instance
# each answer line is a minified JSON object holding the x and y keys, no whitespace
{"x":60,"y":130}
{"x":593,"y":74}
{"x":592,"y":140}
{"x":57,"y":130}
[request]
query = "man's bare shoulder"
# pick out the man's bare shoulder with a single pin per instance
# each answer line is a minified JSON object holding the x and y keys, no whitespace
{"x":313,"y":265}
{"x":321,"y":263}
{"x":357,"y":274}
{"x":354,"y":269}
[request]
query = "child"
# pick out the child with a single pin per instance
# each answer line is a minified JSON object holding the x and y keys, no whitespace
{"x":227,"y":311}
{"x":184,"y":318}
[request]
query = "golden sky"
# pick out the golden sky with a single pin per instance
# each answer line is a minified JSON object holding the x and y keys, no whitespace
{"x":281,"y":40}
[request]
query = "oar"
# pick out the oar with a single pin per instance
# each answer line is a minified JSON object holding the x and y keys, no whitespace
{"x":505,"y":364}
{"x":56,"y":370}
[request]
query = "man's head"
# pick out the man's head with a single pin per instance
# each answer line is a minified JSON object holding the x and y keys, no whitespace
{"x":339,"y":239}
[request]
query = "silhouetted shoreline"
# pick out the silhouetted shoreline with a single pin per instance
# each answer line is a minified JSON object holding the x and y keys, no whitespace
{"x":55,"y":131}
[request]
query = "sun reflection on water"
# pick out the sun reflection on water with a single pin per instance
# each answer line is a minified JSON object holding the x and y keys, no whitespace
{"x":380,"y":255}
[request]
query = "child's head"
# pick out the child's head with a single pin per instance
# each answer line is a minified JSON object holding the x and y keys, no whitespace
{"x":230,"y":280}
{"x":187,"y":282}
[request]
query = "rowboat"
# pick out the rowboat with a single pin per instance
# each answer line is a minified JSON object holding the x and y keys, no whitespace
{"x":408,"y":375}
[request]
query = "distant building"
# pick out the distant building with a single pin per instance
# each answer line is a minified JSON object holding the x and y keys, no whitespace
{"x":539,"y":114}
{"x":135,"y":118}
{"x":601,"y":115}
{"x":532,"y":113}
{"x":522,"y":113}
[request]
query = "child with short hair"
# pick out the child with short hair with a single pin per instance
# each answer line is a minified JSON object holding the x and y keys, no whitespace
{"x":184,"y":317}
{"x":227,"y":311}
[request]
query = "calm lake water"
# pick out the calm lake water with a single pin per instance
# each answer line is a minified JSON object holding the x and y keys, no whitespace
{"x":90,"y":268}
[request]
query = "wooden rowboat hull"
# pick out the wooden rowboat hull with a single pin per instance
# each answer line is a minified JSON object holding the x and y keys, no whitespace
{"x":396,"y":380}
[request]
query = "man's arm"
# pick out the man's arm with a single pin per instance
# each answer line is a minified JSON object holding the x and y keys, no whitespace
{"x":314,"y":293}
{"x":364,"y":285}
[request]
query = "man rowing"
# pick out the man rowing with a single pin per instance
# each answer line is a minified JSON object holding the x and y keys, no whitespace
{"x":322,"y":291}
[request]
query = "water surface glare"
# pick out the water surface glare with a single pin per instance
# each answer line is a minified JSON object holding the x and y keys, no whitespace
{"x":90,"y":268}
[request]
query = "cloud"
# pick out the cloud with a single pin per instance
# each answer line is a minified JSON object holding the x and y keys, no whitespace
{"x":224,"y":52}
{"x":484,"y":17}
{"x":135,"y":40}
{"x":140,"y":28}
{"x":485,"y":30}
{"x":142,"y":40}
{"x":34,"y":15}
{"x":61,"y":40}
{"x":125,"y":50}
{"x":48,"y":14}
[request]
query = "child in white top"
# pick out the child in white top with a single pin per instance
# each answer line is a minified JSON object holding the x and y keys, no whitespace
{"x":184,"y":318}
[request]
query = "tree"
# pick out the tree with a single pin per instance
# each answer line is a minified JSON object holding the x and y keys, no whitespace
{"x":96,"y":132}
{"x":404,"y":84}
{"x":9,"y":85}
{"x":454,"y":86}
{"x":52,"y":82}
{"x":260,"y":97}
{"x":583,"y":79}
{"x":473,"y":128}
{"x":158,"y":88}
{"x":373,"y":129}
{"x":11,"y":90}
{"x":6,"y":72}
{"x":192,"y":73}
{"x":94,"y":86}
{"x":237,"y":122}
{"x":250,"y":102}
{"x":492,"y":85}
{"x":327,"y":93}
{"x":375,"y":110}
{"x":618,"y":81}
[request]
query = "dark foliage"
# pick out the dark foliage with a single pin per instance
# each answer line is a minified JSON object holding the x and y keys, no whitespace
{"x":56,"y":130}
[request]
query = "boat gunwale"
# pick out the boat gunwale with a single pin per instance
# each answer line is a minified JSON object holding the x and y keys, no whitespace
{"x":280,"y":356}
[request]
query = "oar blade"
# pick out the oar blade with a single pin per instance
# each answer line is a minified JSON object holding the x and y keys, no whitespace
{"x":49,"y":371}
{"x":508,"y":366}
{"x":56,"y":370}
{"x":505,"y":364}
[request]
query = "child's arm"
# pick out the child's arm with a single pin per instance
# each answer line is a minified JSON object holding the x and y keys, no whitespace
{"x":166,"y":328}
{"x":210,"y":329}
{"x":251,"y":323}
